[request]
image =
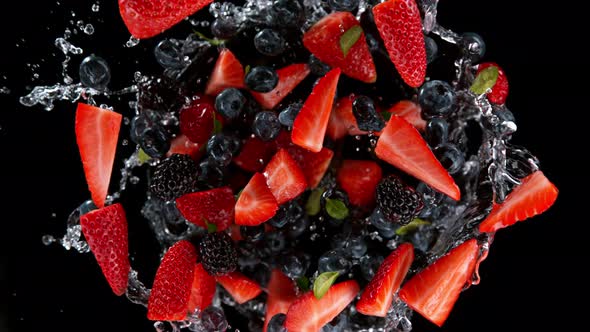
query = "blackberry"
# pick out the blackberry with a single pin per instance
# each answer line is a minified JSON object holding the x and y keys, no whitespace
{"x":398,"y":203}
{"x":174,"y":177}
{"x":218,"y":254}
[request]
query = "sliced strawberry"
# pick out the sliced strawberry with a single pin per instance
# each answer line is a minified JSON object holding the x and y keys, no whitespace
{"x":323,"y":40}
{"x":336,"y":127}
{"x":533,"y":196}
{"x":215,"y":206}
{"x":239,"y":287}
{"x":171,"y":292}
{"x":499,"y":91}
{"x":411,"y":112}
{"x":402,"y":146}
{"x":256,"y":203}
{"x":197,"y":120}
{"x":343,"y":112}
{"x":255,"y":154}
{"x":202,"y":289}
{"x":284,"y":178}
{"x":434,"y":290}
{"x":313,"y":165}
{"x":105,"y":231}
{"x":227,"y":73}
{"x":289,"y":78}
{"x":400,"y":27}
{"x":377,"y":296}
{"x":97,"y":132}
{"x":359,"y":178}
{"x":148,"y":18}
{"x":281,"y":294}
{"x":308,"y":314}
{"x":310,"y":124}
{"x":182,"y":145}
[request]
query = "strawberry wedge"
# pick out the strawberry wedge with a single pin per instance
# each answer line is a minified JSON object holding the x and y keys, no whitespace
{"x":215,"y":206}
{"x":202,"y":290}
{"x":284,"y":178}
{"x":313,"y":165}
{"x":239,"y":287}
{"x":256,"y":203}
{"x":97,"y":132}
{"x":533,"y":196}
{"x":359,"y":178}
{"x":227,"y":73}
{"x":281,"y":294}
{"x":289,"y":78}
{"x":411,"y":112}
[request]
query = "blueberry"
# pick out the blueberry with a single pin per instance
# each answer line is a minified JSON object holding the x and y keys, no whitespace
{"x":213,"y":319}
{"x":277,"y":323}
{"x":288,"y":115}
{"x":275,"y":241}
{"x":436,"y":98}
{"x":292,"y":266}
{"x":317,"y":67}
{"x":95,"y":72}
{"x":437,"y":131}
{"x":168,"y":54}
{"x":266,"y":126}
{"x":154,"y":141}
{"x":230,"y":103}
{"x":385,"y":228}
{"x":366,"y":115}
{"x":219,"y":149}
{"x":369,"y":265}
{"x":297,"y":228}
{"x":431,"y":49}
{"x":269,"y":42}
{"x":224,"y":28}
{"x":262,"y":79}
{"x":86,"y":207}
{"x":357,"y":247}
{"x":343,"y":5}
{"x":210,"y":173}
{"x":284,"y":13}
{"x":450,"y":157}
{"x":252,"y":233}
{"x":334,"y":260}
{"x":473,"y":46}
{"x":279,"y":220}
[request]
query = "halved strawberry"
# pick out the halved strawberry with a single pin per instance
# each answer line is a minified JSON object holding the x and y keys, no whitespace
{"x":215,"y":206}
{"x":182,"y":145}
{"x":105,"y":231}
{"x":227,"y":73}
{"x":359,"y":178}
{"x":202,"y":289}
{"x":289,"y":78}
{"x":533,"y":196}
{"x":400,"y":27}
{"x":377,"y":296}
{"x":239,"y":287}
{"x":255,"y":154}
{"x":313,"y":165}
{"x":284,"y":178}
{"x":147,"y":18}
{"x":171,"y":291}
{"x":336,"y":127}
{"x":310,"y":124}
{"x":402,"y":146}
{"x":411,"y":112}
{"x":97,"y":132}
{"x":281,"y":294}
{"x":324,"y":40}
{"x":499,"y":91}
{"x":197,"y":120}
{"x":433,"y":291}
{"x":256,"y":203}
{"x":308,"y":314}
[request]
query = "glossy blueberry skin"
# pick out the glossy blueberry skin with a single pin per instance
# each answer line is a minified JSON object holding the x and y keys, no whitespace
{"x":230,"y":103}
{"x":266,"y":126}
{"x":450,"y":157}
{"x":473,"y":45}
{"x":262,"y":79}
{"x":269,"y":42}
{"x":436,"y":98}
{"x":437,"y":132}
{"x":431,"y":49}
{"x":288,"y":115}
{"x":343,"y":5}
{"x":284,"y":13}
{"x":317,"y":67}
{"x":277,"y":323}
{"x":224,"y":28}
{"x":366,"y":115}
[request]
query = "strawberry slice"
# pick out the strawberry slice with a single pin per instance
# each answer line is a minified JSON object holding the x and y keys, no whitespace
{"x":281,"y":294}
{"x":400,"y":27}
{"x":336,"y":128}
{"x":197,"y":120}
{"x":402,"y":146}
{"x":359,"y":179}
{"x":324,"y":40}
{"x":97,"y":132}
{"x":256,"y":203}
{"x":171,"y":291}
{"x":499,"y":91}
{"x":411,"y":112}
{"x":148,"y":18}
{"x":308,"y":314}
{"x":434,"y":290}
{"x":215,"y":206}
{"x":202,"y":289}
{"x":310,"y":124}
{"x":182,"y":145}
{"x":227,"y":73}
{"x":377,"y":296}
{"x":284,"y":178}
{"x":105,"y":231}
{"x":255,"y":154}
{"x":313,"y":165}
{"x":289,"y":78}
{"x":535,"y":195}
{"x":239,"y":287}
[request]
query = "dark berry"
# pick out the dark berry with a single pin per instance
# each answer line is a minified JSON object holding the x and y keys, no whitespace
{"x":252,"y":233}
{"x":366,"y":115}
{"x":293,"y":266}
{"x":317,"y":67}
{"x":284,"y":13}
{"x":210,"y":174}
{"x":287,"y":116}
{"x":266,"y":126}
{"x":343,"y":5}
{"x":473,"y":46}
{"x":197,"y":120}
{"x":436,"y":98}
{"x":277,"y":323}
{"x":269,"y":42}
{"x":431,"y":49}
{"x":161,"y":94}
{"x":218,"y":254}
{"x":220,"y":149}
{"x":275,"y":242}
{"x":151,"y":137}
{"x":262,"y":79}
{"x":224,"y":28}
{"x":168,"y":54}
{"x":95,"y":72}
{"x":174,"y":177}
{"x":437,"y":131}
{"x":398,"y":203}
{"x":213,"y":319}
{"x":230,"y":103}
{"x":334,"y":260}
{"x":450,"y":157}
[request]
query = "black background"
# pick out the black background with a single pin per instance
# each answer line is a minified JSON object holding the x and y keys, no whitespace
{"x":532,"y":280}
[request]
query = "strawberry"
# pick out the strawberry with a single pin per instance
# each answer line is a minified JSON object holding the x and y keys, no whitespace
{"x":310,"y":124}
{"x":400,"y":27}
{"x":215,"y":206}
{"x":308,"y":314}
{"x":202,"y":289}
{"x":324,"y":40}
{"x":402,"y":146}
{"x":171,"y":292}
{"x":532,"y":197}
{"x":255,"y":154}
{"x":411,"y":112}
{"x":433,"y":291}
{"x":499,"y":91}
{"x":281,"y":294}
{"x":289,"y":78}
{"x":359,"y":179}
{"x":313,"y":165}
{"x":343,"y":112}
{"x":182,"y":145}
{"x":284,"y":178}
{"x":227,"y":73}
{"x":148,"y":18}
{"x":377,"y":296}
{"x":105,"y":231}
{"x":256,"y":203}
{"x":97,"y":132}
{"x":239,"y":287}
{"x":336,"y":127}
{"x":197,"y":120}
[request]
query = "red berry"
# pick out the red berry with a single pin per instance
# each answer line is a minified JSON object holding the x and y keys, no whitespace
{"x":227,"y":73}
{"x":215,"y":206}
{"x":202,"y":289}
{"x":359,"y":179}
{"x":239,"y":287}
{"x":499,"y":91}
{"x":255,"y":154}
{"x":289,"y":78}
{"x":284,"y":178}
{"x":281,"y":294}
{"x":256,"y":203}
{"x":197,"y":120}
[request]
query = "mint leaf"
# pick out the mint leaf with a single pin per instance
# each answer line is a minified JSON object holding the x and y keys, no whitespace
{"x":323,"y":283}
{"x":411,"y":227}
{"x":386,"y":115}
{"x":302,"y":283}
{"x":336,"y":209}
{"x":485,"y":80}
{"x":142,"y":156}
{"x":211,"y":228}
{"x":212,"y":41}
{"x":313,"y":206}
{"x":349,"y":38}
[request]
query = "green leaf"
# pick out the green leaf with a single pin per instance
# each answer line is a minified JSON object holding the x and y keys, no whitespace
{"x":247,"y":69}
{"x":142,"y":156}
{"x":485,"y":80}
{"x":349,"y":38}
{"x":323,"y":283}
{"x":211,"y":228}
{"x":336,"y":209}
{"x":217,"y":126}
{"x":212,"y":41}
{"x":386,"y":115}
{"x":303,"y":283}
{"x":411,"y":227}
{"x":313,"y":206}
